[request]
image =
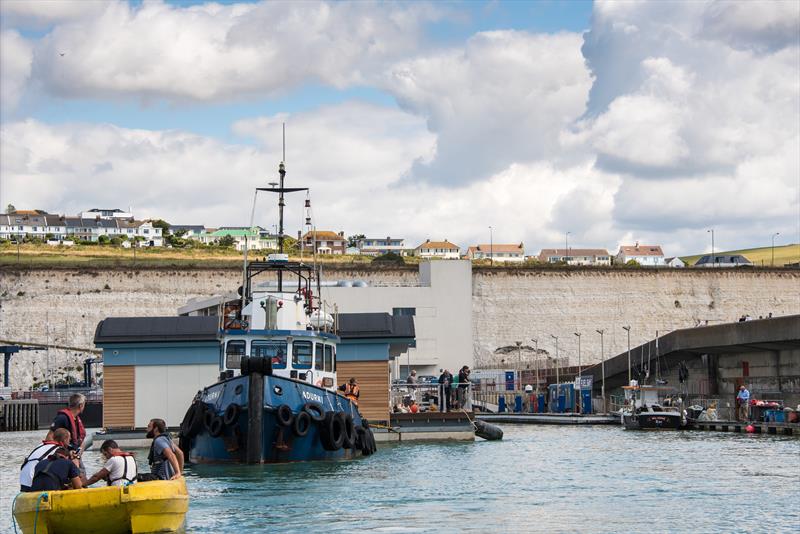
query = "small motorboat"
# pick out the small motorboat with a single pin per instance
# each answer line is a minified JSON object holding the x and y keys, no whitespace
{"x":645,"y":411}
{"x":155,"y":506}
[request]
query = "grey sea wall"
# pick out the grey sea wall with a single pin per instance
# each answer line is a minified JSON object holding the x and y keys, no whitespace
{"x":63,"y":306}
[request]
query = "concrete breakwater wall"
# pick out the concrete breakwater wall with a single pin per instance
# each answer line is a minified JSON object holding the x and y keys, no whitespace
{"x":63,"y":307}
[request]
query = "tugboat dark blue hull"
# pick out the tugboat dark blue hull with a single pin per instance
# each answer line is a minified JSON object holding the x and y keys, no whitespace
{"x":299,"y":422}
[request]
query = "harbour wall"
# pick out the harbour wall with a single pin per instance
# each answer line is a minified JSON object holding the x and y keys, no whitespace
{"x":63,"y":306}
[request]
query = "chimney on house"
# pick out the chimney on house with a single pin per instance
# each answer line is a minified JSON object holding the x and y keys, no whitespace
{"x":637,"y":245}
{"x":341,"y":234}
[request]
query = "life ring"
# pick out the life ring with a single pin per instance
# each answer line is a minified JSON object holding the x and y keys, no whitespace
{"x":284,"y":415}
{"x":302,"y":424}
{"x":331,"y":432}
{"x":349,"y":433}
{"x":315,"y":411}
{"x":231,"y":415}
{"x":216,"y":427}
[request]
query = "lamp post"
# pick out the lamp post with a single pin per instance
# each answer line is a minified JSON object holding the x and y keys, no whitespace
{"x":557,"y":379}
{"x":776,"y":234}
{"x":580,"y":389}
{"x":602,"y":368}
{"x":536,"y":361}
{"x":491,"y":247}
{"x":566,"y":247}
{"x":519,"y":362}
{"x":628,"y":330}
{"x":713,"y":257}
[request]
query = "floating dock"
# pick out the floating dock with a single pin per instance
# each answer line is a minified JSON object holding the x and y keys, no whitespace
{"x":550,"y":419}
{"x":784,"y":429}
{"x":427,"y":426}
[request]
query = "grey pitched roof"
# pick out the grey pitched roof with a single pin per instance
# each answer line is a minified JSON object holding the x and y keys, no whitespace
{"x":187,"y":227}
{"x":151,"y":329}
{"x":375,"y":325}
{"x":724,"y":258}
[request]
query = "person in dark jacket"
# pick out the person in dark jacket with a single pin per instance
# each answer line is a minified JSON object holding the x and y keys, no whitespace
{"x":445,"y":380}
{"x":57,"y":472}
{"x":463,"y":383}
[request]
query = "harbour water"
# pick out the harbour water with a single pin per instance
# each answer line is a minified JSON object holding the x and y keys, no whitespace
{"x":539,"y":478}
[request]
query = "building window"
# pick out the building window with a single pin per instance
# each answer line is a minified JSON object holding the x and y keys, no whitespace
{"x":270,"y":349}
{"x":301,"y":355}
{"x":234,"y":351}
{"x":404,"y":311}
{"x":145,"y":231}
{"x":319,"y":358}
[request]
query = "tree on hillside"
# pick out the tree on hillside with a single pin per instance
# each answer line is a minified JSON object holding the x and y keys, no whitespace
{"x":226,"y":241}
{"x":11,"y":209}
{"x":352,"y":241}
{"x":161,"y":223}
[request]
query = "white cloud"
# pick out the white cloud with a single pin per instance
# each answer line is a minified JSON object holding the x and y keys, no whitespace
{"x":212,"y":52}
{"x":15,"y":68}
{"x":499,"y":100}
{"x":44,"y":13}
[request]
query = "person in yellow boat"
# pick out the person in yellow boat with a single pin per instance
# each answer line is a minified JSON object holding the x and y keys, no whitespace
{"x":166,"y":460}
{"x":60,"y":438}
{"x":119,"y":469}
{"x":57,"y":472}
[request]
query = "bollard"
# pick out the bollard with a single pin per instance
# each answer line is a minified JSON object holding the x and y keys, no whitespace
{"x":255,"y":416}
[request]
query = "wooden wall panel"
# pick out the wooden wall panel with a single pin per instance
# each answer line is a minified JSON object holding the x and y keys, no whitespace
{"x":373,"y":380}
{"x":119,"y":390}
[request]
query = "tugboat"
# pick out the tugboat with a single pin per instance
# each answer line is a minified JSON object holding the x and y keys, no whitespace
{"x":644,"y":411}
{"x":276,"y":399}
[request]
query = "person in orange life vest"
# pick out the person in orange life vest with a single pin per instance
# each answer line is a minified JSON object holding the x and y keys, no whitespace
{"x":351,"y":390}
{"x":119,"y":469}
{"x":47,"y":447}
{"x":69,"y":419}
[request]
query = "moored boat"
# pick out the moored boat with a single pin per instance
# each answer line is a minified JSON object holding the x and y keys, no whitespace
{"x":156,"y":506}
{"x":276,"y":399}
{"x":644,"y":410}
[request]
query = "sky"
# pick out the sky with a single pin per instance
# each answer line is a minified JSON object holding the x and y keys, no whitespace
{"x":601,"y":123}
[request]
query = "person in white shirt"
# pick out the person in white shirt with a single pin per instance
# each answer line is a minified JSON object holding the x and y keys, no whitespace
{"x":60,"y":438}
{"x":119,"y":469}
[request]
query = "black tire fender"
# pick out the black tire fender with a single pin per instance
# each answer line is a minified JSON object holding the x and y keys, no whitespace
{"x":284,"y":415}
{"x":216,"y":428}
{"x":332,"y":432}
{"x":315,"y":411}
{"x":244,"y":365}
{"x":208,"y":417}
{"x":302,"y":424}
{"x":231,"y":415}
{"x":349,"y":430}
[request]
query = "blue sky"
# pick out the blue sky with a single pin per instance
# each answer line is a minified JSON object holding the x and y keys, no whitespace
{"x":615,"y":121}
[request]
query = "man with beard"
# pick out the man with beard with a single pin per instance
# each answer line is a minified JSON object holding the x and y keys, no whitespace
{"x":166,"y":460}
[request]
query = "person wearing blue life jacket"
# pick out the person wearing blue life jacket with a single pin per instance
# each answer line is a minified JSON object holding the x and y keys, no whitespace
{"x":57,"y":472}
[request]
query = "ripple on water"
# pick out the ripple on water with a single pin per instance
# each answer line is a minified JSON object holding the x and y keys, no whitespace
{"x":561,"y":479}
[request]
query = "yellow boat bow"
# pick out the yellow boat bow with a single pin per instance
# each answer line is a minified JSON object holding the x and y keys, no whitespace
{"x":157,"y":506}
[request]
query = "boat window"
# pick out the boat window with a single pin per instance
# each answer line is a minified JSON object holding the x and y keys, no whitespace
{"x":270,"y":349}
{"x":234,"y":351}
{"x":329,"y":358}
{"x":301,"y":355}
{"x":319,"y":359}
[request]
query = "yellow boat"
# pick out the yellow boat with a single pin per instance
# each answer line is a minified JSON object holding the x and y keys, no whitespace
{"x":157,"y":506}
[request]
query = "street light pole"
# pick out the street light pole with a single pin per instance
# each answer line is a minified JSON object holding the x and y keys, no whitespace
{"x":579,"y":371}
{"x":566,"y":247}
{"x":628,"y":330}
{"x":519,"y":362}
{"x":776,"y":234}
{"x":603,"y":368}
{"x":491,"y":247}
{"x":557,"y":379}
{"x":536,"y":360}
{"x":713,"y":257}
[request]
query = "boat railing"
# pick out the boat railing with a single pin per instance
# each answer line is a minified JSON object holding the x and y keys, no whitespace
{"x":430,"y":397}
